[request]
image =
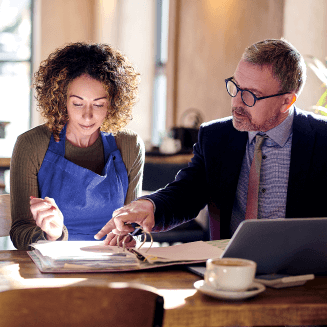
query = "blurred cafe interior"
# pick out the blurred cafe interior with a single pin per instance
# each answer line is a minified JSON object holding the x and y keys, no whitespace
{"x":184,"y":49}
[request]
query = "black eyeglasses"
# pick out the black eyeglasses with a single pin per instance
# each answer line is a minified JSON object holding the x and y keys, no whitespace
{"x":248,"y":98}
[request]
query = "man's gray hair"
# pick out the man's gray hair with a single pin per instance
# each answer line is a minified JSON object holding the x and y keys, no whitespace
{"x":287,"y":64}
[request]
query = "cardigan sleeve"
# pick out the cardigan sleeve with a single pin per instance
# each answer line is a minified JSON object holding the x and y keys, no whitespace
{"x":132,"y":150}
{"x":26,"y":160}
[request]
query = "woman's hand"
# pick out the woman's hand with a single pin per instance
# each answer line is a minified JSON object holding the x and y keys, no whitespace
{"x":47,"y":216}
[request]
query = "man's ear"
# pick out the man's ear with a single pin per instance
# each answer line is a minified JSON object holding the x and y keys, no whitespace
{"x":289,"y":100}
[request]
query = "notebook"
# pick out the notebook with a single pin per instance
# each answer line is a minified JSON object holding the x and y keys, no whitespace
{"x":295,"y":246}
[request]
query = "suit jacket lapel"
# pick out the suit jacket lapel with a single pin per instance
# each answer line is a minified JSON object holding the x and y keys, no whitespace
{"x":301,"y":156}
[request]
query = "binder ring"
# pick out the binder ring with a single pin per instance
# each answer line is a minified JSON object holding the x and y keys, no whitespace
{"x":128,"y":235}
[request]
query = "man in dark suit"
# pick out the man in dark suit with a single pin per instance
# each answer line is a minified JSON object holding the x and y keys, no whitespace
{"x":293,"y":176}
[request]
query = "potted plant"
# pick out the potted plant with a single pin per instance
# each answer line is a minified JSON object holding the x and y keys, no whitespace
{"x":320,"y":70}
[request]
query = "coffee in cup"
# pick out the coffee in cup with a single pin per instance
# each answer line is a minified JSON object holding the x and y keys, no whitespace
{"x":230,"y":274}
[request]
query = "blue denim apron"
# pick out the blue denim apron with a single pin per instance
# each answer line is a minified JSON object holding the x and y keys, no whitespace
{"x":86,"y":199}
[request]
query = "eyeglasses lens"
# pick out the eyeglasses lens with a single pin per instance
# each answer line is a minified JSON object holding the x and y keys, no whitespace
{"x":231,"y":89}
{"x":248,"y":98}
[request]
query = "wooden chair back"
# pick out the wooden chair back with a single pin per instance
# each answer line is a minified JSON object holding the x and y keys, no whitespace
{"x":5,"y":215}
{"x":82,"y":306}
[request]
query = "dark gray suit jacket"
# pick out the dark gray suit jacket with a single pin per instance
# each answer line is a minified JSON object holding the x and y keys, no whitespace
{"x":212,"y":176}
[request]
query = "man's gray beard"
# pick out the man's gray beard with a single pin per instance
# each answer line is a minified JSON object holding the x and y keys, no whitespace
{"x":249,"y":126}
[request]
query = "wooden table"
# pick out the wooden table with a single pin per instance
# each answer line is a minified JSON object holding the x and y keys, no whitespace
{"x":301,"y":305}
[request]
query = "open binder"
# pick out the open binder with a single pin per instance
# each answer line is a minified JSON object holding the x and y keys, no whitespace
{"x":93,"y":256}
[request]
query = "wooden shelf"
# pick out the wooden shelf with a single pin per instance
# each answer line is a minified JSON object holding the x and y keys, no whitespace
{"x":5,"y":163}
{"x":175,"y":159}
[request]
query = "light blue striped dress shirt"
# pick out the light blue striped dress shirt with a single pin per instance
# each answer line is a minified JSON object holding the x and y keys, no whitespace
{"x":276,"y":158}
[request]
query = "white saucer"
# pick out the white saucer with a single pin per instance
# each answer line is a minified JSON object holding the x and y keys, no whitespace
{"x":253,"y":290}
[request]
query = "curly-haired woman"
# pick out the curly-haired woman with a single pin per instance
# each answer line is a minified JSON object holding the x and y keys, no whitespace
{"x":69,"y":174}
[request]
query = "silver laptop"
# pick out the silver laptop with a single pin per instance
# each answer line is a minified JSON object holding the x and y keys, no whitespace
{"x":293,"y":246}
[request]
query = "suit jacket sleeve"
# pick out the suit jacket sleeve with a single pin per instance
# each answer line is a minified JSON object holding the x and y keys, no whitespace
{"x":201,"y":182}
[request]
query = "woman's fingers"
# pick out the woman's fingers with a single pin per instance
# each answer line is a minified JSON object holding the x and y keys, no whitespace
{"x":39,"y":205}
{"x":42,"y":216}
{"x":47,"y":216}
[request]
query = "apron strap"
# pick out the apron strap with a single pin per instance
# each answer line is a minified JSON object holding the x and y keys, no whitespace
{"x":109,"y":144}
{"x":58,"y":147}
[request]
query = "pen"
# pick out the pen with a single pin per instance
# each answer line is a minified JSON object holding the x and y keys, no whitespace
{"x":137,"y":231}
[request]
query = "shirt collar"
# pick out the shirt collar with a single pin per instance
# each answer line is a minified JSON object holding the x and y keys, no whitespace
{"x":280,"y":133}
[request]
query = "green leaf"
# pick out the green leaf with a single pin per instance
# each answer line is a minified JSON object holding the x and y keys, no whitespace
{"x":322,"y":102}
{"x":319,"y":110}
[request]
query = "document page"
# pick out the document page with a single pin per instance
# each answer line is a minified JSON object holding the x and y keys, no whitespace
{"x":193,"y":251}
{"x":83,"y":252}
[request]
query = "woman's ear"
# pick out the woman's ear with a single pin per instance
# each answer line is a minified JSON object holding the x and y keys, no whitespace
{"x":289,"y":100}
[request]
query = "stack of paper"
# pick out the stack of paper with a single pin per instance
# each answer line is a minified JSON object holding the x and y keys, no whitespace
{"x":90,"y":254}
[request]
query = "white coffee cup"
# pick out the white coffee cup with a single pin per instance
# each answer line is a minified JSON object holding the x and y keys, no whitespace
{"x":170,"y":146}
{"x":230,"y":274}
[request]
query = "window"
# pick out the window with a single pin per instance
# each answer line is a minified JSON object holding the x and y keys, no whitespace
{"x":160,"y":83}
{"x":15,"y":70}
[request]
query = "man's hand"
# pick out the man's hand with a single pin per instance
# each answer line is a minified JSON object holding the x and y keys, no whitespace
{"x":139,"y":212}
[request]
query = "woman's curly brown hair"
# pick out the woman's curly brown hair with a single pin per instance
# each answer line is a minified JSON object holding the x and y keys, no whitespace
{"x":101,"y":62}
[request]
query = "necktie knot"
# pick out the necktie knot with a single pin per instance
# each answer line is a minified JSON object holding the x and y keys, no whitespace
{"x":259,"y":139}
